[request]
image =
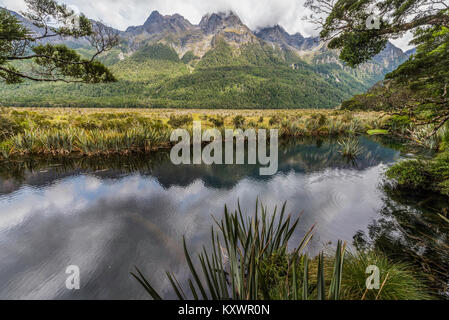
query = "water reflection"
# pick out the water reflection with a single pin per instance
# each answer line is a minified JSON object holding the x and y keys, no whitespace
{"x":409,"y":229}
{"x":107,"y":215}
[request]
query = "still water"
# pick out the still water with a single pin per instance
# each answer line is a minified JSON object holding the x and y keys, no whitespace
{"x":108,"y":215}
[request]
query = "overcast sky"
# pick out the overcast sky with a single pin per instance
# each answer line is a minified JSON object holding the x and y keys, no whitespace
{"x":254,"y":13}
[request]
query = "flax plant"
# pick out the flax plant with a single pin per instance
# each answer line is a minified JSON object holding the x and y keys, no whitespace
{"x":232,"y":268}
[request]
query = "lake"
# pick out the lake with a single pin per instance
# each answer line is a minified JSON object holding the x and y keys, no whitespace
{"x":107,"y":215}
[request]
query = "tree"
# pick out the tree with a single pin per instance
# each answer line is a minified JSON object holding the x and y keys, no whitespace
{"x":27,"y":51}
{"x":350,"y":25}
{"x":426,"y":74}
{"x":419,"y":87}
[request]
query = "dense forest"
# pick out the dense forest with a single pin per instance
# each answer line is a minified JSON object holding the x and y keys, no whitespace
{"x":254,"y":76}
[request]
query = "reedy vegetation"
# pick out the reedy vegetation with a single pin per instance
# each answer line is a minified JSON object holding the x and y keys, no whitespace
{"x":90,"y":132}
{"x":249,"y":260}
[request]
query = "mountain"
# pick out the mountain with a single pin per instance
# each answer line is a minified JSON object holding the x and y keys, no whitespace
{"x":278,"y":35}
{"x":216,"y":22}
{"x":410,"y":52}
{"x":219,"y":63}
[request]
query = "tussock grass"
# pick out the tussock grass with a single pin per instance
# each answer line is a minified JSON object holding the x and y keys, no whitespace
{"x":59,"y":131}
{"x":398,"y":281}
{"x":350,"y":148}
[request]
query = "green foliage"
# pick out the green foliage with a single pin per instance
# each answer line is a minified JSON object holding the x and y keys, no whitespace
{"x":78,"y":131}
{"x":180,"y":121}
{"x":101,"y":133}
{"x":417,"y":91}
{"x":8,"y":127}
{"x":398,"y":281}
{"x":376,"y":132}
{"x":430,"y":175}
{"x":220,"y":55}
{"x":412,"y":173}
{"x":358,"y":47}
{"x":345,"y":24}
{"x":249,"y":260}
{"x":24,"y":57}
{"x":156,"y":51}
{"x":254,"y":250}
{"x":6,"y":149}
{"x":188,"y":57}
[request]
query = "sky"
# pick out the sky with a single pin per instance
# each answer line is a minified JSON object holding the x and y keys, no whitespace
{"x":254,"y":13}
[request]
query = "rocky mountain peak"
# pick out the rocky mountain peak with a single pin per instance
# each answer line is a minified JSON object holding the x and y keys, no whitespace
{"x":154,"y":19}
{"x":277,"y":34}
{"x":390,"y":54}
{"x":213,"y":23}
{"x":157,"y":23}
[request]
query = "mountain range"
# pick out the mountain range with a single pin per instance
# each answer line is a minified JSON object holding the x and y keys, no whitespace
{"x":219,"y":63}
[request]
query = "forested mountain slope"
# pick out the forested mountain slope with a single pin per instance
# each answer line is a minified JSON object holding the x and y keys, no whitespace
{"x":220,"y":63}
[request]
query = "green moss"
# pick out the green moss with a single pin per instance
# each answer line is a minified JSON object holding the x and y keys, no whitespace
{"x":377,"y":132}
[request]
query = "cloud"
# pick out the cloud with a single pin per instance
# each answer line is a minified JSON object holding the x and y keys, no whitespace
{"x":254,"y":13}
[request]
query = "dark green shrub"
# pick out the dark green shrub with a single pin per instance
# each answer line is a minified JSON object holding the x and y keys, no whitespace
{"x":217,"y":122}
{"x":398,"y":122}
{"x":238,"y":121}
{"x":189,"y":56}
{"x":180,"y":121}
{"x":274,"y":120}
{"x":411,"y":174}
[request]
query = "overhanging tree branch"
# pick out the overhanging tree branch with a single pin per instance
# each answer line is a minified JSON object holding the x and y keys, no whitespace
{"x":56,"y":62}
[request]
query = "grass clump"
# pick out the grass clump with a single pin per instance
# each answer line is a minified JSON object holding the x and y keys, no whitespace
{"x":180,"y":121}
{"x":350,"y":148}
{"x":398,"y":281}
{"x":218,"y":121}
{"x":274,"y":121}
{"x":238,"y":121}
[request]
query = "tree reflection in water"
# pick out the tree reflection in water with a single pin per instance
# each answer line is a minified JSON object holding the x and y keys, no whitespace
{"x":409,"y":229}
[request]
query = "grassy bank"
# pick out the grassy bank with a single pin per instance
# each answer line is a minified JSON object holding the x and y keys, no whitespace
{"x":60,"y":131}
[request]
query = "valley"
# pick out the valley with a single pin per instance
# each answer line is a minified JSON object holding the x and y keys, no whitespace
{"x":169,"y":63}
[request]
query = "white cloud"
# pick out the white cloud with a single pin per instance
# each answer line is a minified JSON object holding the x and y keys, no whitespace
{"x":254,"y":13}
{"x":403,"y":42}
